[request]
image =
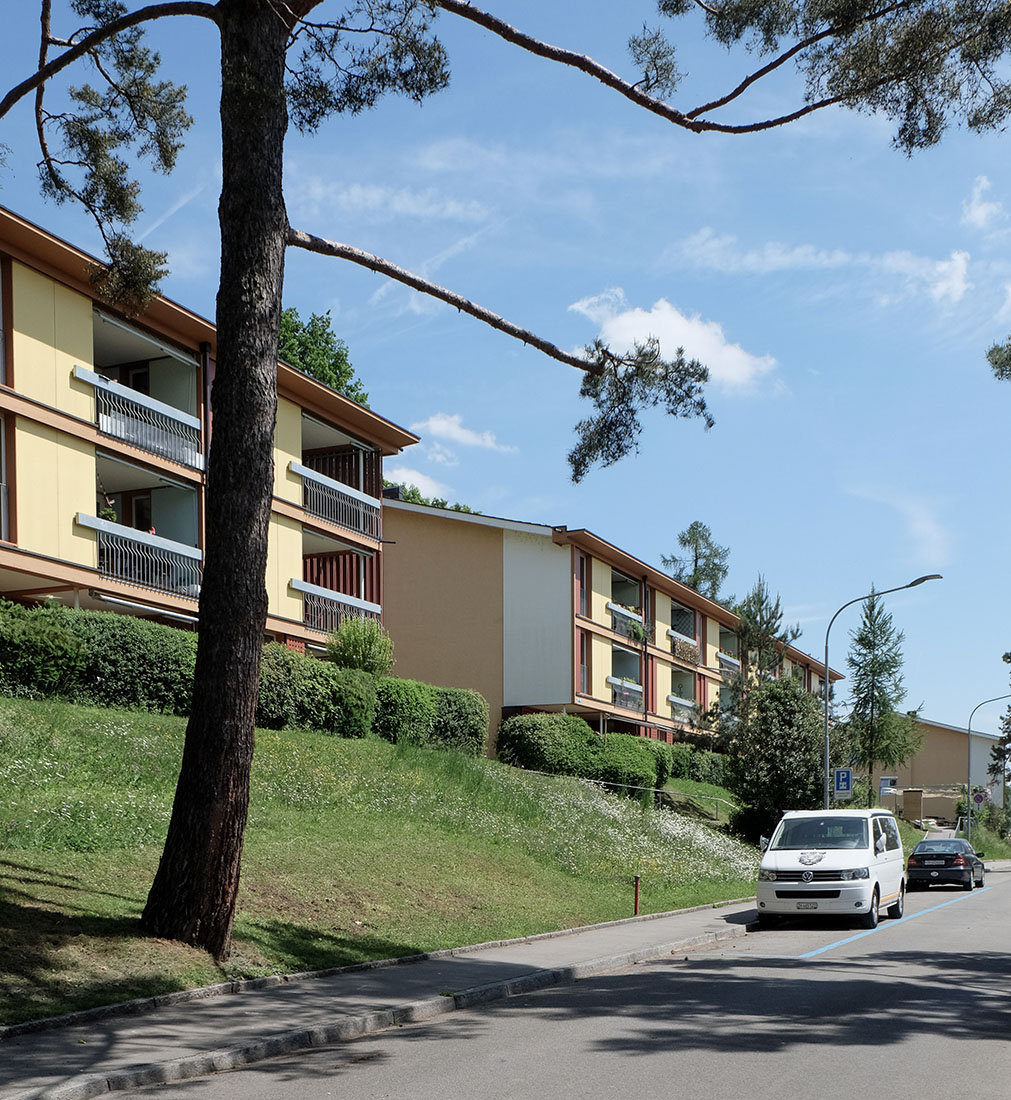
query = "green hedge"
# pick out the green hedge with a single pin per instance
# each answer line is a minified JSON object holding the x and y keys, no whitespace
{"x":461,"y":720}
{"x":299,"y":692}
{"x":563,"y":744}
{"x":406,"y":710}
{"x":106,"y":659}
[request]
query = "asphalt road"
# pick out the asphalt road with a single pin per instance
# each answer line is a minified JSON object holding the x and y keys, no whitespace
{"x":920,"y":1007}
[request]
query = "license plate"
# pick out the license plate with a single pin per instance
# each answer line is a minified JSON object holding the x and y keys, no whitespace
{"x":807,"y":905}
{"x":933,"y":863}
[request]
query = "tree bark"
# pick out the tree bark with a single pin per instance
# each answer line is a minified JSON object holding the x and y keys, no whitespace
{"x":194,"y":892}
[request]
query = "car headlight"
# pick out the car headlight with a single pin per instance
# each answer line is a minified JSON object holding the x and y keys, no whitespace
{"x":766,"y":876}
{"x":856,"y":872}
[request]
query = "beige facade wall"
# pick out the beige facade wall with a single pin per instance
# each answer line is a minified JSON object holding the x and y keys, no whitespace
{"x":943,"y":759}
{"x":600,"y":579}
{"x":287,"y":449}
{"x":663,"y":688}
{"x":661,"y":616}
{"x":53,"y":333}
{"x":600,"y":667}
{"x":442,"y":603}
{"x":284,"y":562}
{"x":711,"y":642}
{"x":55,"y":479}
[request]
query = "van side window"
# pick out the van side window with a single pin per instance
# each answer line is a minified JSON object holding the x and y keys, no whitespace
{"x":892,"y":838}
{"x":878,"y":834}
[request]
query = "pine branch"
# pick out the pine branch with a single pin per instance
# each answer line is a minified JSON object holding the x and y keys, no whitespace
{"x":96,"y":38}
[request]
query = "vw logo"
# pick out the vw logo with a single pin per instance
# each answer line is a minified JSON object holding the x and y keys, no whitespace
{"x":807,"y":876}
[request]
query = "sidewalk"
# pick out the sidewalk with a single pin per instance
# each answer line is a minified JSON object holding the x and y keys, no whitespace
{"x":190,"y":1034}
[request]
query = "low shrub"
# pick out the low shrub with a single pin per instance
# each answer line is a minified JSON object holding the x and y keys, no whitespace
{"x":626,"y":761}
{"x":707,"y":767}
{"x":461,"y":720}
{"x":40,"y":655}
{"x":133,"y":663}
{"x":681,"y":759}
{"x":664,"y":759}
{"x":299,"y":692}
{"x":406,"y":710}
{"x":362,"y":644}
{"x":559,"y":744}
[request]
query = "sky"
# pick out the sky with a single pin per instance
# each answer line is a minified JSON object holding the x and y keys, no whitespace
{"x":842,"y":295}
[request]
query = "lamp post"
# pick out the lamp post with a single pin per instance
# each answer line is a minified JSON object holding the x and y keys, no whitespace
{"x":968,"y":769}
{"x":825,"y":683}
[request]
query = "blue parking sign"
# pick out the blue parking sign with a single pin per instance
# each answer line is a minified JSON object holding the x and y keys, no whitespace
{"x":844,"y":781}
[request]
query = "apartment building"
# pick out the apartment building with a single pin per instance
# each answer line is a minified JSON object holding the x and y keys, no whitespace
{"x":105,"y":423}
{"x":544,"y":618}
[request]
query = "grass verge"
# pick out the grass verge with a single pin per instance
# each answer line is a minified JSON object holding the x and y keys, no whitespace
{"x":355,"y":850}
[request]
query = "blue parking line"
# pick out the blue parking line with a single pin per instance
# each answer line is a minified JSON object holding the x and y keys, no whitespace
{"x":889,"y":924}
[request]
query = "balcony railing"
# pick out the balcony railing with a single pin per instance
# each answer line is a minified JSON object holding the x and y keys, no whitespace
{"x":627,"y":623}
{"x":729,"y":666}
{"x":148,"y":561}
{"x":144,"y":422}
{"x":684,"y":648}
{"x":625,"y":693}
{"x":682,"y":709}
{"x":324,"y":610}
{"x":339,"y":504}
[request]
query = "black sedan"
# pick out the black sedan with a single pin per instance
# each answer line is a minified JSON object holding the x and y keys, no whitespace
{"x":944,"y":862}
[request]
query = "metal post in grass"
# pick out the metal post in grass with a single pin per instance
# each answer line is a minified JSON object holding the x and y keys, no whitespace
{"x":636,"y":911}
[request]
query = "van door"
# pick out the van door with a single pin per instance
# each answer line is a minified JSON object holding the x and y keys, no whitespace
{"x":889,"y":858}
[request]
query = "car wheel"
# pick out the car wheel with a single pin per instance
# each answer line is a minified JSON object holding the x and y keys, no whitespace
{"x":969,"y":883}
{"x":872,"y":916}
{"x":895,"y":911}
{"x":981,"y":877}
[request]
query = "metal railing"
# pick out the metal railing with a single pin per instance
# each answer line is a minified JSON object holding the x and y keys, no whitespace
{"x":148,"y":561}
{"x":625,"y":695}
{"x":138,"y":419}
{"x":325,"y":614}
{"x":340,"y":504}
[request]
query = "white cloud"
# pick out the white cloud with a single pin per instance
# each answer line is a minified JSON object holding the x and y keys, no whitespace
{"x":406,"y":475}
{"x":450,"y":426}
{"x":931,"y":539}
{"x":941,"y":280}
{"x":730,"y":366}
{"x":977,"y":211}
{"x":437,"y":452}
{"x":313,"y":194}
{"x":720,"y":253}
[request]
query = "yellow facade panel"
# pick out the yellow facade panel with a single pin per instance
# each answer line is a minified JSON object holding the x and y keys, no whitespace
{"x":55,"y":479}
{"x":53,"y":333}
{"x":287,"y":449}
{"x":284,"y":562}
{"x":600,"y":578}
{"x":661,"y":614}
{"x":600,"y":666}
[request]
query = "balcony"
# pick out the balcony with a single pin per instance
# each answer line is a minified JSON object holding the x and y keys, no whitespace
{"x":627,"y":623}
{"x":682,"y":710}
{"x":339,"y":504}
{"x":147,"y":561}
{"x":625,"y":693}
{"x":729,"y":666}
{"x":684,"y":648}
{"x":135,"y":418}
{"x":324,"y":610}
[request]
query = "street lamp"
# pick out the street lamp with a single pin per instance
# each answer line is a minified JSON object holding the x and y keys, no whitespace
{"x":825,"y":683}
{"x":968,"y":770}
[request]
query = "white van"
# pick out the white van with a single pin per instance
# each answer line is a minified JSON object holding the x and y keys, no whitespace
{"x":833,"y":862}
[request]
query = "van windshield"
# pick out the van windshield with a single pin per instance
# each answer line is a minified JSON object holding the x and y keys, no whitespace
{"x":820,"y":832}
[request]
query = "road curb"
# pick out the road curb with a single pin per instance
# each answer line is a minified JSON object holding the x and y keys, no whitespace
{"x":143,"y":1005}
{"x":354,"y":1027}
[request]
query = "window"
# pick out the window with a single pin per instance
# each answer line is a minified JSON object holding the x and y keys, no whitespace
{"x":728,"y":641}
{"x":682,"y":619}
{"x":582,"y":594}
{"x":584,"y":662}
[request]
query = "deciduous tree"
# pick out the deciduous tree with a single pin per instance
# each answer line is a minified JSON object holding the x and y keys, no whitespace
{"x":314,"y":348}
{"x":297,"y":62}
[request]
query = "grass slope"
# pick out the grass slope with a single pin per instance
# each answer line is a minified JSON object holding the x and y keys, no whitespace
{"x":355,"y":850}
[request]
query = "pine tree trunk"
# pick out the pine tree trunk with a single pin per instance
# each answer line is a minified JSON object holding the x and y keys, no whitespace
{"x":194,"y":892}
